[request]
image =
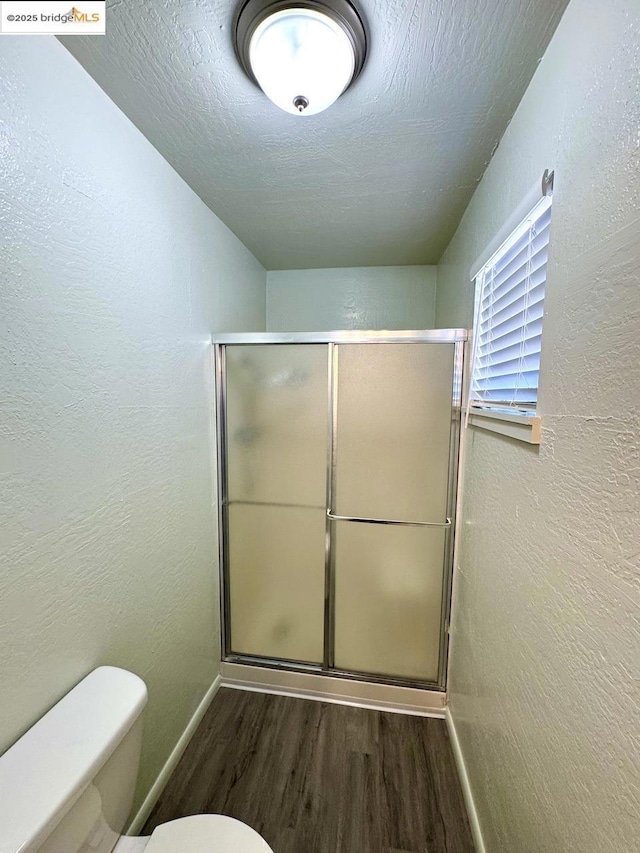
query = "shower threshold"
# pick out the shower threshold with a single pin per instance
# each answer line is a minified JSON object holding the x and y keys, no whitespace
{"x":336,"y":687}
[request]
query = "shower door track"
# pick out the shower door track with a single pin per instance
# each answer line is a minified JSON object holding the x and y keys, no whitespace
{"x":458,"y":337}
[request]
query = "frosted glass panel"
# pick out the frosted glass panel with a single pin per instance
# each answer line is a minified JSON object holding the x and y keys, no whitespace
{"x":276,"y":563}
{"x":388,"y":599}
{"x":277,"y":423}
{"x":394,"y":421}
{"x":392,"y":436}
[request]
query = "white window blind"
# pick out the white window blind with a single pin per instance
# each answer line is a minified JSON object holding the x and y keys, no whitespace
{"x":508,"y":323}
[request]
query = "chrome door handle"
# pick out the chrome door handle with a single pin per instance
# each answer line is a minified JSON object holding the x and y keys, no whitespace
{"x":362,"y":520}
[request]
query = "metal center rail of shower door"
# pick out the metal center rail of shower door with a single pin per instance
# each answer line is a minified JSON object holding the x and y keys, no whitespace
{"x":458,"y":337}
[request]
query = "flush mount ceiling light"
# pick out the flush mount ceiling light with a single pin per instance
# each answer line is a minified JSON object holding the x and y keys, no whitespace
{"x":303,"y":55}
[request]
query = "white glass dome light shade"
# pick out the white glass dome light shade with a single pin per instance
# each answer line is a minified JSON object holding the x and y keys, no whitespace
{"x":302,"y":59}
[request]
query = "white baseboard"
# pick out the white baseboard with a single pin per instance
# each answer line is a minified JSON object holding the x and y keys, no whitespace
{"x":342,"y":691}
{"x":467,"y":793}
{"x":135,"y":827}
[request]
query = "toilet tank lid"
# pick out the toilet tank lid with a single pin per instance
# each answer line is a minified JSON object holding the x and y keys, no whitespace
{"x":47,"y":769}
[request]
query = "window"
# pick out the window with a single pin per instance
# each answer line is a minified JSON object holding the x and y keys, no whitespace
{"x":508,"y":318}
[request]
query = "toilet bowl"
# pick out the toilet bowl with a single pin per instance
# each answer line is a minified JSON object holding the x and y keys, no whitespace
{"x":67,"y":785}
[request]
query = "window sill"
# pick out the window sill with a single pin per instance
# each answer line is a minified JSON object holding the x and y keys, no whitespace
{"x":521,"y":426}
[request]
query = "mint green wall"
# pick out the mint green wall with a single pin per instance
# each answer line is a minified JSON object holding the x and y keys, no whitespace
{"x":545,"y":642}
{"x":114,"y":274}
{"x":351,"y":298}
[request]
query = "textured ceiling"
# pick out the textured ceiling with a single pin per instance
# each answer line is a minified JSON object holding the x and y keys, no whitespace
{"x":383,"y":176}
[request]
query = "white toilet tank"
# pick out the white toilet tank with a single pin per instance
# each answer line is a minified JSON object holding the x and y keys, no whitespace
{"x":67,"y":785}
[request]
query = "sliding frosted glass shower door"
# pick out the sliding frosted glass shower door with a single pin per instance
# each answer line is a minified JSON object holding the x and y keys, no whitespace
{"x":276,"y":453}
{"x":393,"y":411}
{"x":337,"y":479}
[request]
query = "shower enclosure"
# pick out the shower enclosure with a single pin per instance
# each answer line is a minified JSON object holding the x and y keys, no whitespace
{"x":337,"y":472}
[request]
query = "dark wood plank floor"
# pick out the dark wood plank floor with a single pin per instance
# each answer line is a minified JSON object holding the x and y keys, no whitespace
{"x":313,"y":777}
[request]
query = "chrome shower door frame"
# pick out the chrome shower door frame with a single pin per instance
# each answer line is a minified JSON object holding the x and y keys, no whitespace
{"x":458,"y":338}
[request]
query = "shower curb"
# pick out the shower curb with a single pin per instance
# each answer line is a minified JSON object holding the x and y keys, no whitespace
{"x":340,"y":691}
